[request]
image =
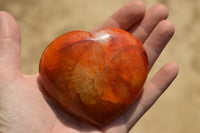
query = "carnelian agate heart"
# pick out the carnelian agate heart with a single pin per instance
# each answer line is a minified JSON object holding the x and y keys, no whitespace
{"x":94,"y":76}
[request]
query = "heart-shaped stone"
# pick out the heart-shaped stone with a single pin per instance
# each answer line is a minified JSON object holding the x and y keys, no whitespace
{"x":94,"y":76}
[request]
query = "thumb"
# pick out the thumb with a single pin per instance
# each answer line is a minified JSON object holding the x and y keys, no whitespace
{"x":9,"y":42}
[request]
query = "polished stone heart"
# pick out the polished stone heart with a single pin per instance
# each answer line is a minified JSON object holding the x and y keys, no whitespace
{"x":94,"y":76}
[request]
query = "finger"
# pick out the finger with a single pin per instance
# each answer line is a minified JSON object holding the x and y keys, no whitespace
{"x":125,"y":17}
{"x":158,"y":40}
{"x":152,"y":91}
{"x":9,"y":41}
{"x":152,"y":17}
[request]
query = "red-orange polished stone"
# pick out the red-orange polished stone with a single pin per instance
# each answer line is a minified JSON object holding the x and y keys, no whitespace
{"x":94,"y":76}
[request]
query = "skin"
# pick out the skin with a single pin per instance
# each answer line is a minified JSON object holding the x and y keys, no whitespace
{"x":23,"y":107}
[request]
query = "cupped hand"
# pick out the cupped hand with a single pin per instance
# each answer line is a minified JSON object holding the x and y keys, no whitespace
{"x":24,"y":107}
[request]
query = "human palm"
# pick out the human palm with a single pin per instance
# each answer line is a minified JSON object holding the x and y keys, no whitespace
{"x":23,"y":105}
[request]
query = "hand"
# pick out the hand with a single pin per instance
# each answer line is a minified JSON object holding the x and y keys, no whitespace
{"x":24,"y":108}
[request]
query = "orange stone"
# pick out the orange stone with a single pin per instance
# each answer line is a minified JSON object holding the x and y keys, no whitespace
{"x":95,"y":76}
